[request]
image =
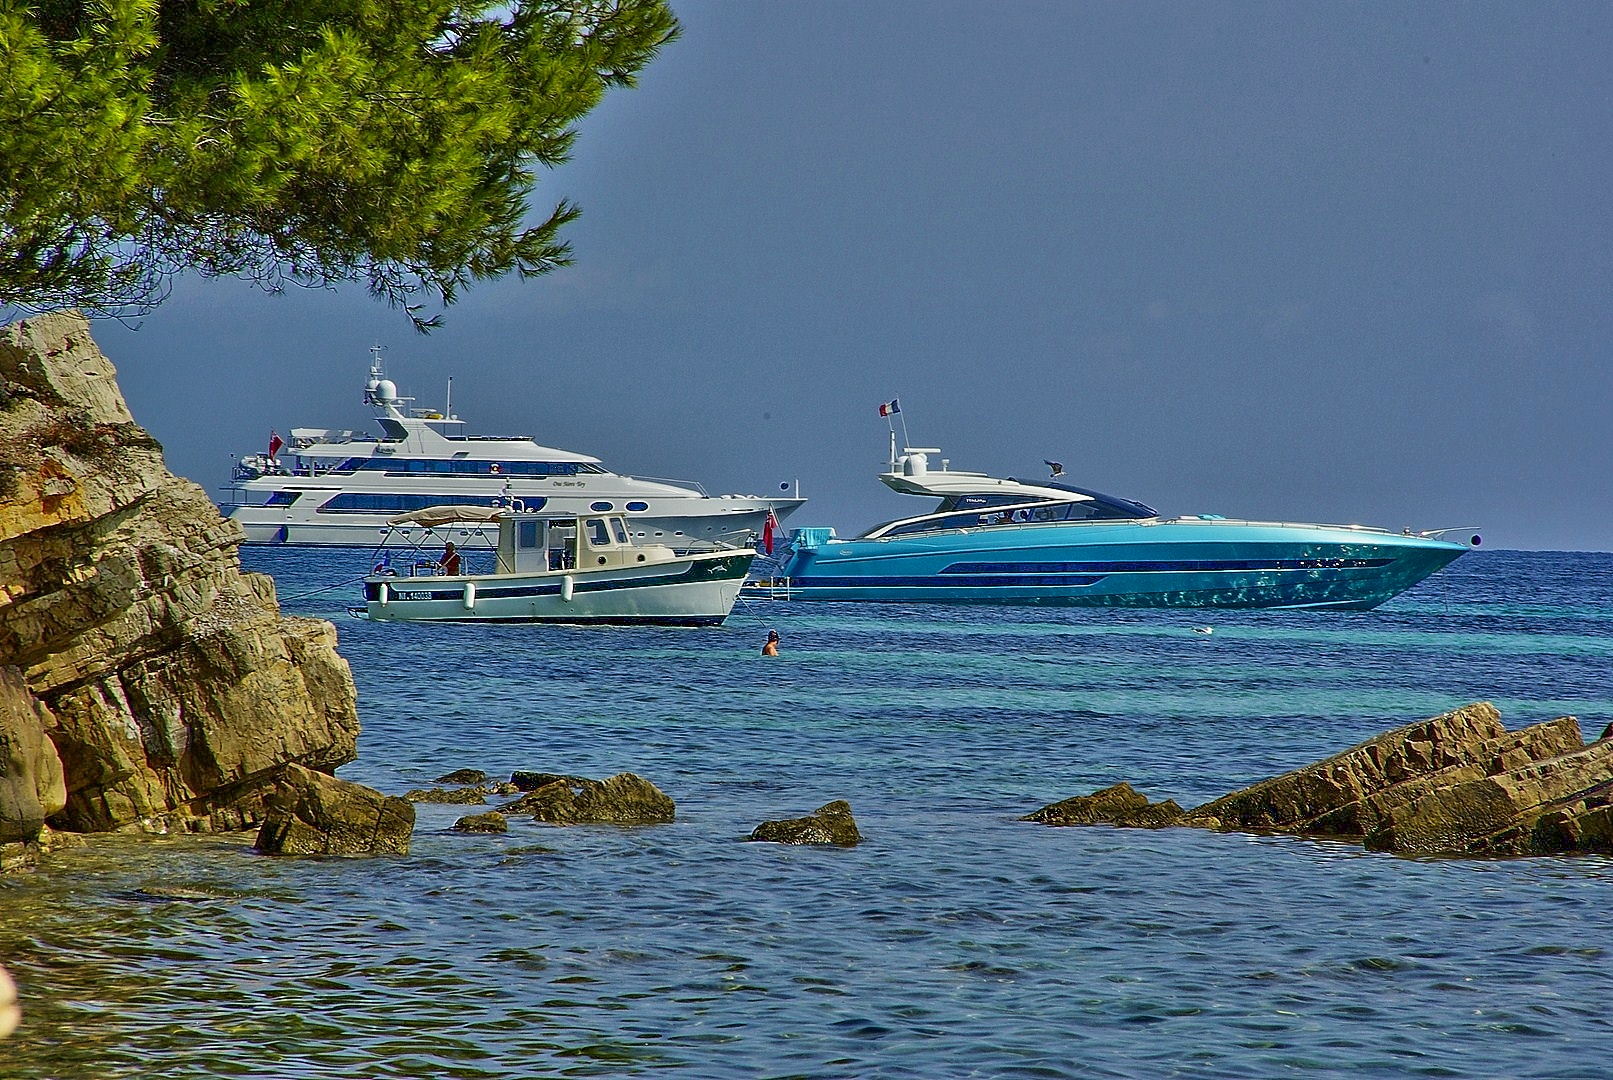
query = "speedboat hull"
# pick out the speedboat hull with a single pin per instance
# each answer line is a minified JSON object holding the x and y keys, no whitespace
{"x":694,"y":590}
{"x":1168,"y":563}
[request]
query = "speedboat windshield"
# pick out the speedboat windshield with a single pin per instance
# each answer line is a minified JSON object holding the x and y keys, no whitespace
{"x":1114,"y":504}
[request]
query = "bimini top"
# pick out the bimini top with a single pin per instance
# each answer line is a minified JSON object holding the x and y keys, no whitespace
{"x":432,"y":517}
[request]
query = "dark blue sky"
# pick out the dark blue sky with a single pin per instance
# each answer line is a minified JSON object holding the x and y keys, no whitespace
{"x":1333,"y":262}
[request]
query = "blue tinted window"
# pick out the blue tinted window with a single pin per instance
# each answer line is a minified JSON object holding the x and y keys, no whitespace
{"x":636,"y":506}
{"x":282,"y":498}
{"x":353,"y":502}
{"x":601,"y":506}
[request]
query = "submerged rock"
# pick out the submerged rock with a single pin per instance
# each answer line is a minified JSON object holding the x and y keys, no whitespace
{"x":490,"y":822}
{"x":623,"y":799}
{"x":1116,"y":805}
{"x":312,"y":813}
{"x":467,"y":796}
{"x":463,"y":778}
{"x":532,"y":781}
{"x":1455,"y":784}
{"x":830,"y":823}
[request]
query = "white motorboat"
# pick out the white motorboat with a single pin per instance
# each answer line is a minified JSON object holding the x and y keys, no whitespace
{"x":516,"y":565}
{"x":339,"y":488}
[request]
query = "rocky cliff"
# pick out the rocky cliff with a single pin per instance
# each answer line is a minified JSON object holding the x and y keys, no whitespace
{"x":145,"y":680}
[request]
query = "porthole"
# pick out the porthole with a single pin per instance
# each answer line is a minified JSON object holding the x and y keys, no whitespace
{"x":637,"y":506}
{"x":601,"y":506}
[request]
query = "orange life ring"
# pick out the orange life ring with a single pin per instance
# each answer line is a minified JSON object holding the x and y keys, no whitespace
{"x":493,"y":468}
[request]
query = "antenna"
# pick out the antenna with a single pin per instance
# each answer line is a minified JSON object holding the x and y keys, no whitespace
{"x":448,"y":406}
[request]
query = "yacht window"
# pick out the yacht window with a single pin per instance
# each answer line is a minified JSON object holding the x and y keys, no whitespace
{"x":529,"y":534}
{"x":621,"y":531}
{"x":356,"y":502}
{"x":600,"y":507}
{"x":636,"y":506}
{"x":282,"y":498}
{"x":977,"y":502}
{"x":598,"y":534}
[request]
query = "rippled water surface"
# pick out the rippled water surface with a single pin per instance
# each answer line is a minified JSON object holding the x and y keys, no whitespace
{"x":955,"y":941}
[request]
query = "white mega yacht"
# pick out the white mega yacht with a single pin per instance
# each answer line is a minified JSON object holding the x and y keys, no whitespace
{"x":339,"y":488}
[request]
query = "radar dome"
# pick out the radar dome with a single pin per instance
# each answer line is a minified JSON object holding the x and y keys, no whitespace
{"x":386,"y":390}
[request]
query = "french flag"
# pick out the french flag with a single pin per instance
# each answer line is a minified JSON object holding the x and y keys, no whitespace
{"x":889,"y":407}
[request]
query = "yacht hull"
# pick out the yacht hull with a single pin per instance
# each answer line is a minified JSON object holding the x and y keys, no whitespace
{"x":1171,"y":563}
{"x":694,"y":591}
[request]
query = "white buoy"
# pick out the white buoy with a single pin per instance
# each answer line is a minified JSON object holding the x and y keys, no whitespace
{"x":566,"y":588}
{"x":470,"y":596}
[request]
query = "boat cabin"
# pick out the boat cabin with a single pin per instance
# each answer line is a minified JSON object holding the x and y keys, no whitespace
{"x":534,"y":542}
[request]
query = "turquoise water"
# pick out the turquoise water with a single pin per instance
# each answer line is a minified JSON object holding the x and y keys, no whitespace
{"x":955,"y":941}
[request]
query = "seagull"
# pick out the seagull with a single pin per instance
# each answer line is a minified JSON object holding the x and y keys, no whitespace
{"x":1058,"y":469}
{"x":1204,"y":629}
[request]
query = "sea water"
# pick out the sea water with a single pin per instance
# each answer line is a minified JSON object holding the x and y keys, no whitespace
{"x":955,"y":941}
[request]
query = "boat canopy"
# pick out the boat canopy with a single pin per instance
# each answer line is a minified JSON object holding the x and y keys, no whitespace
{"x":433,"y":516}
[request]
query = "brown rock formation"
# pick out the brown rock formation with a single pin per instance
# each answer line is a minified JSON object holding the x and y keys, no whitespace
{"x":1456,"y":784}
{"x":312,"y":813}
{"x":830,"y":823}
{"x":623,"y":799}
{"x":468,"y":796}
{"x":1117,"y":805}
{"x":1285,"y":802}
{"x":155,"y":679}
{"x":1462,"y":818}
{"x":490,"y":822}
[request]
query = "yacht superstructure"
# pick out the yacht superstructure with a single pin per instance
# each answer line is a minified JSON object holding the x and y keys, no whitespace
{"x":339,"y":488}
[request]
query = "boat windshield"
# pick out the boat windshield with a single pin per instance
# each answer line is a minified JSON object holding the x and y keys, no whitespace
{"x":1011,"y":514}
{"x":1114,"y":506}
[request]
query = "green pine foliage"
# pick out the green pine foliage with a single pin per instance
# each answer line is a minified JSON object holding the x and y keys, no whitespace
{"x":393,"y":142}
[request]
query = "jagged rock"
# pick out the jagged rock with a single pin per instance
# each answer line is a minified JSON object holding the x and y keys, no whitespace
{"x":1456,"y":784}
{"x":1284,"y":803}
{"x":1119,"y":804}
{"x":1511,"y":750}
{"x":472,"y":795}
{"x":1581,"y":824}
{"x":490,"y":822}
{"x":165,"y":680}
{"x":463,"y":777}
{"x":312,"y":813}
{"x":830,"y":823}
{"x":32,"y":787}
{"x":1460,"y":818}
{"x":623,"y":799}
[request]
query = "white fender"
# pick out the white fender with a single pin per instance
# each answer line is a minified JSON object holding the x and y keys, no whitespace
{"x":470,"y":596}
{"x":567,"y":586}
{"x":385,"y":595}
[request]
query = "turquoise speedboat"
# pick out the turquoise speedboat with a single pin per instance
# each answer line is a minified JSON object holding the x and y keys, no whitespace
{"x":1026,"y":542}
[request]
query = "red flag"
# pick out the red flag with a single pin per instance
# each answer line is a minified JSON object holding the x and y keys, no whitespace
{"x":275,"y":443}
{"x":767,"y":532}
